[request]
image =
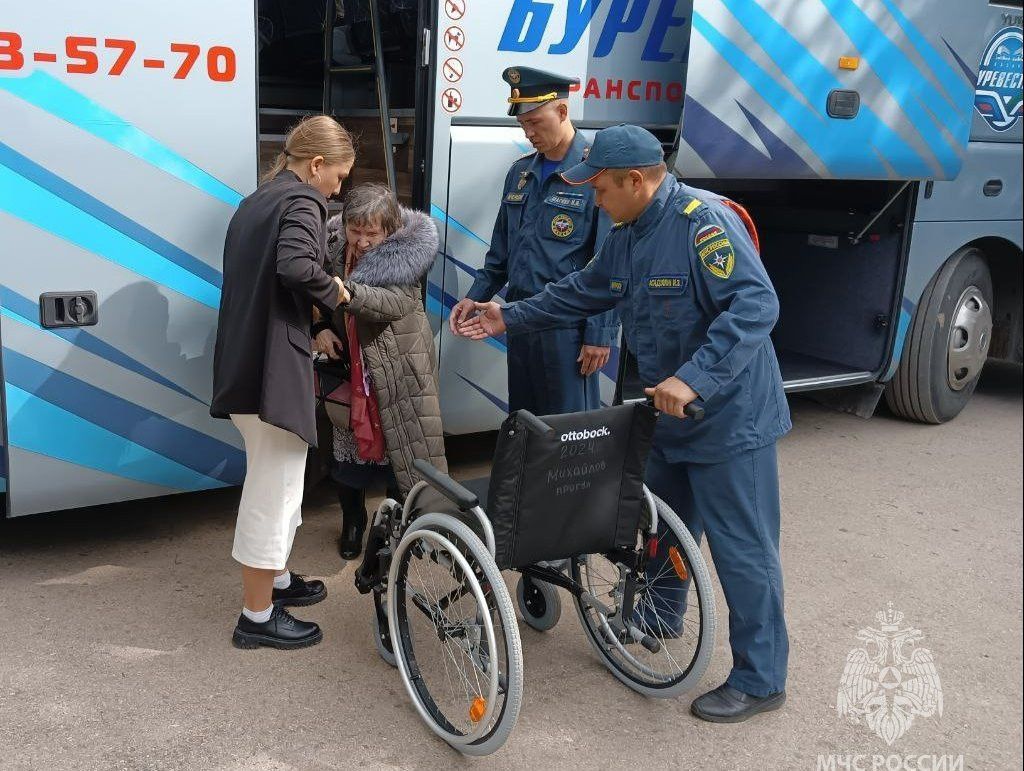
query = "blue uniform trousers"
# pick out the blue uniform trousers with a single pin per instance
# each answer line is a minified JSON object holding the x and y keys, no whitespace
{"x":734,"y":503}
{"x":544,"y":376}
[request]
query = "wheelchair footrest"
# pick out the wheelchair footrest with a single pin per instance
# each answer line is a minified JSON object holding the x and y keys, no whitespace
{"x":367,"y":575}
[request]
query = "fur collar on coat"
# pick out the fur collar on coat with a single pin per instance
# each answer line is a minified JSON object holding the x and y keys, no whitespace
{"x":402,"y":259}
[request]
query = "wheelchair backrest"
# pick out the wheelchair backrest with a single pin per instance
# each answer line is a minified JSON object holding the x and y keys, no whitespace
{"x":577,"y":490}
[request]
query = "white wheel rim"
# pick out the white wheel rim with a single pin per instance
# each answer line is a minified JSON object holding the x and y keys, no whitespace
{"x":400,"y":656}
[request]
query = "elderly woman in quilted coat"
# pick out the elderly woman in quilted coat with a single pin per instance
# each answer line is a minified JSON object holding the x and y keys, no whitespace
{"x":382,"y":252}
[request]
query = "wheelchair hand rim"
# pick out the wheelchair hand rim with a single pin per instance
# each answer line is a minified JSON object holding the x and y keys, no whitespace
{"x":483,"y":723}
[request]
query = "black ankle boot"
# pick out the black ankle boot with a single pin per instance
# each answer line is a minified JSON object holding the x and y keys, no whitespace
{"x":353,"y":521}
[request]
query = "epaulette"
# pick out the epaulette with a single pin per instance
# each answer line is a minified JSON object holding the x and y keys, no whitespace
{"x":692,"y":207}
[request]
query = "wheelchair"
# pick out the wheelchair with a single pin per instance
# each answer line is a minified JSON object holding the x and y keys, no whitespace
{"x":566,"y":508}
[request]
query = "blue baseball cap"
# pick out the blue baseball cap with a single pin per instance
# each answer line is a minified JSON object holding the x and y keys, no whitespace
{"x":617,"y":147}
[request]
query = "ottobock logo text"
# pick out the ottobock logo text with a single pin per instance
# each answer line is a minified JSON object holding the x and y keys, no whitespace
{"x":587,"y":433}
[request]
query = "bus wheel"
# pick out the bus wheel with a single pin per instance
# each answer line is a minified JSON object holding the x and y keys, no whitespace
{"x":947,"y":342}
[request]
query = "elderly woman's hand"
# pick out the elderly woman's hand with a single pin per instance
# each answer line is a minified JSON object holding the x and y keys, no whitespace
{"x":328,"y":343}
{"x":343,"y":294}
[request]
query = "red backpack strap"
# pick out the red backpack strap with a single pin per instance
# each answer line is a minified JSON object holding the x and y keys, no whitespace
{"x":748,"y":221}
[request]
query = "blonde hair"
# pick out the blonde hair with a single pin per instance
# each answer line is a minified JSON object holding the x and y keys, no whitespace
{"x":313,"y":136}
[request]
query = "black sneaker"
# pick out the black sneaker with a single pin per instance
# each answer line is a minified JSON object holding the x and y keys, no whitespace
{"x":282,"y":631}
{"x":300,"y":592}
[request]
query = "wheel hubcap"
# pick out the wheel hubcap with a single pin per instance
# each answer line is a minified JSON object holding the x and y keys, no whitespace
{"x":969,"y":336}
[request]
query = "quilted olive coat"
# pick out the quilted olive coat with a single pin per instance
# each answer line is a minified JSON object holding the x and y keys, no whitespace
{"x":395,"y":337}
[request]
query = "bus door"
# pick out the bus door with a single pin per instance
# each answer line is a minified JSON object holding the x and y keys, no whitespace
{"x":631,"y":62}
{"x":128,"y":139}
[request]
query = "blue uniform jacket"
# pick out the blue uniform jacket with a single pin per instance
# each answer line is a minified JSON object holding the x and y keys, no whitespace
{"x":545,"y":230}
{"x":695,"y":302}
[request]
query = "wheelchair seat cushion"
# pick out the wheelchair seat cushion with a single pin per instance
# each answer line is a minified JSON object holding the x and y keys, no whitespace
{"x":479,"y":488}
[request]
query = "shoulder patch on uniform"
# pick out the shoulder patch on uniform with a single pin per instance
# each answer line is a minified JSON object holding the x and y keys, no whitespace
{"x":714,"y":250}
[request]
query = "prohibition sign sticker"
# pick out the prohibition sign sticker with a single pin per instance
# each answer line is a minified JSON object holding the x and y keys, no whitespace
{"x":452,"y":69}
{"x":454,"y":38}
{"x":451,"y":100}
{"x":455,"y":9}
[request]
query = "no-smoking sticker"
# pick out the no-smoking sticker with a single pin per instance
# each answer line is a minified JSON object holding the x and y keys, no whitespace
{"x":451,"y":100}
{"x":454,"y":38}
{"x":452,"y":70}
{"x":455,"y":9}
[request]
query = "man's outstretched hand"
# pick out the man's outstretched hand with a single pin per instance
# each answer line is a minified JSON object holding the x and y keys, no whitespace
{"x":488,"y":322}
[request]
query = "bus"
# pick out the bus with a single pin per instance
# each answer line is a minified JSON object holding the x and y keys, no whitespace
{"x":876,"y":142}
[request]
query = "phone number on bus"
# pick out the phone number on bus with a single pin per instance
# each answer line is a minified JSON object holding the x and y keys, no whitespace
{"x":82,"y":56}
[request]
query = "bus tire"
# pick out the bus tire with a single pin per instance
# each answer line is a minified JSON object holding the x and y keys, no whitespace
{"x":947,"y":342}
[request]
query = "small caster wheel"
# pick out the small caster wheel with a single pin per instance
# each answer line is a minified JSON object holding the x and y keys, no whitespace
{"x":539,"y":603}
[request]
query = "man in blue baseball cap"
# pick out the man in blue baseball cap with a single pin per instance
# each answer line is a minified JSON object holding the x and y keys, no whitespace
{"x":545,"y":229}
{"x":682,"y":268}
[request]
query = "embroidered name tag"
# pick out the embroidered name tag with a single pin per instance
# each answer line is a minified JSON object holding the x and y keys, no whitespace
{"x":515,"y":197}
{"x":666,"y":284}
{"x":617,"y":285}
{"x":566,"y":201}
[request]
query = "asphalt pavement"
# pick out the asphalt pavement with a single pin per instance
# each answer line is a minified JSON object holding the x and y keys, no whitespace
{"x":115,"y":628}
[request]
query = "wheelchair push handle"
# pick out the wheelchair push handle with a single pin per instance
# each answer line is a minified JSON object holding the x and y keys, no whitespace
{"x":693,"y":410}
{"x":533,"y":423}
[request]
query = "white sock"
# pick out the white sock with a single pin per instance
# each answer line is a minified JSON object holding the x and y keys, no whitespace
{"x":258,"y":616}
{"x":283,"y":581}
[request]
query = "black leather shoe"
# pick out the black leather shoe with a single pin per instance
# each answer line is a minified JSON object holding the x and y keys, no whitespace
{"x":300,"y":592}
{"x":282,"y":631}
{"x":725,"y":704}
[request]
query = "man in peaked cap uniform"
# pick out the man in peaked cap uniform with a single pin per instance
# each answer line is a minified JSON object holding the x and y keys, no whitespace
{"x":545,"y":230}
{"x":683,"y":270}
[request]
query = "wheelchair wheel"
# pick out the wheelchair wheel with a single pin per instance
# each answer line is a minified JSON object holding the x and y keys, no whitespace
{"x":666,"y":645}
{"x":539,"y":603}
{"x":455,"y":635}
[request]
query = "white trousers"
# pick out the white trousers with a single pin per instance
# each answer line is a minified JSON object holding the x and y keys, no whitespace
{"x":270,"y":509}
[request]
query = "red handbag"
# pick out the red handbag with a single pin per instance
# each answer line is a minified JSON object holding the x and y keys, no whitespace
{"x":365,"y":412}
